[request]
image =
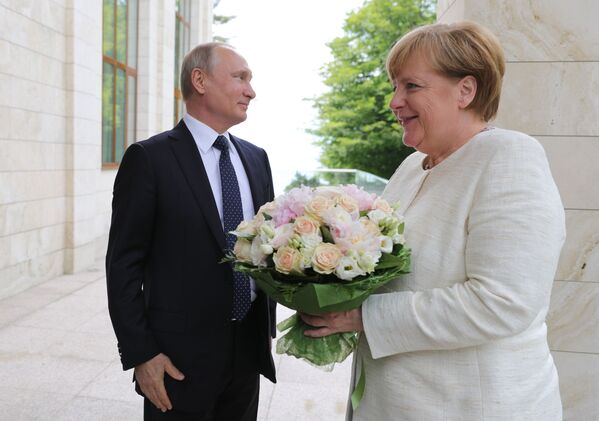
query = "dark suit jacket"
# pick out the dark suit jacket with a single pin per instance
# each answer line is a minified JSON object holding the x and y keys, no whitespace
{"x":167,"y":291}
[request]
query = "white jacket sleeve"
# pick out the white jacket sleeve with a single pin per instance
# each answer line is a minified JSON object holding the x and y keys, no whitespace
{"x":515,"y":231}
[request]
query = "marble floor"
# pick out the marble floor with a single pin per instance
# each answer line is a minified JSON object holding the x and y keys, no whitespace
{"x":58,"y":361}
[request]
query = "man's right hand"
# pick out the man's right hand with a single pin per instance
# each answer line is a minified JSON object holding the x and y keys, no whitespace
{"x":150,"y":377}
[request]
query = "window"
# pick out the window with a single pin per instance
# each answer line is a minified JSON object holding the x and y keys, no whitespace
{"x":182,"y":35}
{"x":119,"y":77}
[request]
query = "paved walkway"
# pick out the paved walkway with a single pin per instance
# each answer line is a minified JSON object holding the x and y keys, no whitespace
{"x":58,"y":361}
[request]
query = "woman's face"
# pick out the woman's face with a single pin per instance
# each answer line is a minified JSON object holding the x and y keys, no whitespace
{"x":427,"y":105}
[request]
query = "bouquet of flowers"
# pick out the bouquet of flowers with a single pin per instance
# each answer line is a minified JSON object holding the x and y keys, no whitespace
{"x":318,"y":250}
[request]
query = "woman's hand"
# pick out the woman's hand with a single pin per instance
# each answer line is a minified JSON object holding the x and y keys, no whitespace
{"x":330,"y":323}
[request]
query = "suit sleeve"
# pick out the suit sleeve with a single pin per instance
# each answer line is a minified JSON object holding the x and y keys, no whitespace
{"x":128,"y":246}
{"x":272,"y":305}
{"x":515,"y":231}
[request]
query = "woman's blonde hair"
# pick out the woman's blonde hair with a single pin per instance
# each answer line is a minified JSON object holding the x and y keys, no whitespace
{"x":457,"y":50}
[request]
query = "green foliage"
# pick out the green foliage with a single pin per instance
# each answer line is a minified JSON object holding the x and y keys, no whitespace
{"x":218,"y":20}
{"x":221,"y":19}
{"x":356,"y":128}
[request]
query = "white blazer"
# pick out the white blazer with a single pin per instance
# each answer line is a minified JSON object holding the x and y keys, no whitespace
{"x":463,"y":336}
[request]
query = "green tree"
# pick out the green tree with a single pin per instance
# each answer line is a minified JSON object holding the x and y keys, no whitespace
{"x":356,"y":127}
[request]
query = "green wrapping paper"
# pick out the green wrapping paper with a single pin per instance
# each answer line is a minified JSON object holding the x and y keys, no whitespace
{"x":313,"y":296}
{"x":322,"y":352}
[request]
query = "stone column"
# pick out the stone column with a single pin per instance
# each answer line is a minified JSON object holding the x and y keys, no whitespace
{"x":155,"y":83}
{"x":83,"y":79}
{"x":201,"y":22}
{"x":551,"y":91}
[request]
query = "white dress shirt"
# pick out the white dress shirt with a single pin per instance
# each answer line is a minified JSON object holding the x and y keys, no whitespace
{"x":204,"y":138}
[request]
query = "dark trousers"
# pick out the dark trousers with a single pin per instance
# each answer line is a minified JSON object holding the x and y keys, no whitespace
{"x":238,"y":398}
{"x":238,"y":402}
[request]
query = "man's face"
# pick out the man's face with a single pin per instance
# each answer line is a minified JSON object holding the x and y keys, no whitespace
{"x":228,"y":91}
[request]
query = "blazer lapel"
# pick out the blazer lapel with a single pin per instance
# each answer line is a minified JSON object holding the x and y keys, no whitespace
{"x":413,"y":177}
{"x":190,"y":161}
{"x":251,"y":167}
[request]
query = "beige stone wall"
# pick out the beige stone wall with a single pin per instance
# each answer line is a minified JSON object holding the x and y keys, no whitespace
{"x":54,"y":195}
{"x":34,"y":120}
{"x":551,"y":91}
{"x":83,"y":79}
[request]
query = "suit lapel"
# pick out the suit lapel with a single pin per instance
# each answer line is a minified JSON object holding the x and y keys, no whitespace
{"x":251,"y":168}
{"x":190,"y":161}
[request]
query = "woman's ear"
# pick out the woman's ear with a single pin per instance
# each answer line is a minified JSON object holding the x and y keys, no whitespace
{"x":198,"y":80}
{"x":467,"y":91}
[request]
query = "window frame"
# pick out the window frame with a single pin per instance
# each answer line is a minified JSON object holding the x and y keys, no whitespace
{"x":130,"y":72}
{"x":183,"y":22}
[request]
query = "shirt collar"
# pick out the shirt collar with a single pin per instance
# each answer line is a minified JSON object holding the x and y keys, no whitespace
{"x":204,"y":135}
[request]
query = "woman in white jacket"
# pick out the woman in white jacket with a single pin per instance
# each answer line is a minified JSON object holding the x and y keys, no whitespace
{"x":463,"y":336}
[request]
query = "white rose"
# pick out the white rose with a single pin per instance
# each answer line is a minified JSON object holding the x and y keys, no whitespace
{"x":311,"y":241}
{"x":377,"y":215}
{"x":326,"y":257}
{"x":309,"y":244}
{"x":337,"y":216}
{"x":245,"y":229}
{"x":242,"y":250}
{"x":368,"y":261}
{"x":266,"y":249}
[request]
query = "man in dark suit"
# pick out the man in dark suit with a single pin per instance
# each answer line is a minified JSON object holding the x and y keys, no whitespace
{"x":197,"y":334}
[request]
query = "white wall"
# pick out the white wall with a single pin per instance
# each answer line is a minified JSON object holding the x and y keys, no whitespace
{"x":551,"y":91}
{"x":54,"y":195}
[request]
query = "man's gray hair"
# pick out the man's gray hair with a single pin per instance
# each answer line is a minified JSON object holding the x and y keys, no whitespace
{"x":202,"y":57}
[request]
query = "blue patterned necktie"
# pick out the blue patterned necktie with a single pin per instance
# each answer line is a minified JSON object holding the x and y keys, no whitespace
{"x":232,"y":216}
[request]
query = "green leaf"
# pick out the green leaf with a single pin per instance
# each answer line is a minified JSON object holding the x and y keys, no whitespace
{"x":326,"y":234}
{"x":309,"y":294}
{"x":400,"y":260}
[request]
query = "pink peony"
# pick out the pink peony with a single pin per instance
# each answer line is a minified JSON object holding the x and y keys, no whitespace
{"x":364,"y":199}
{"x":282,"y":235}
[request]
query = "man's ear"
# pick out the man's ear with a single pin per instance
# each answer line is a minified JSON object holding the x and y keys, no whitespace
{"x":198,"y":80}
{"x":467,"y":91}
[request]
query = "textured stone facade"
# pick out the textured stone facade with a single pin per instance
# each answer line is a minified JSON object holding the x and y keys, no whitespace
{"x":551,"y":91}
{"x":54,"y":195}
